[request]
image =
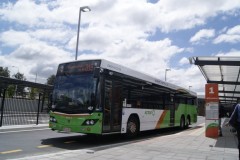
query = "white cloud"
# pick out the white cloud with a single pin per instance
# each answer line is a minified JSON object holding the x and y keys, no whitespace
{"x":145,"y":56}
{"x":25,"y":12}
{"x":188,"y":77}
{"x":232,"y":35}
{"x":14,"y":38}
{"x":227,"y":38}
{"x":233,"y":53}
{"x":184,"y":61}
{"x":31,"y":55}
{"x":185,"y":14}
{"x":60,"y":35}
{"x":115,"y":30}
{"x":171,"y":14}
{"x":202,"y":35}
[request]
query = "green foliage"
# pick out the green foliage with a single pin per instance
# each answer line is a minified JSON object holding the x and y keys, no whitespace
{"x":4,"y":72}
{"x":19,"y":76}
{"x":19,"y":88}
{"x":11,"y":90}
{"x":32,"y":93}
{"x":51,"y":79}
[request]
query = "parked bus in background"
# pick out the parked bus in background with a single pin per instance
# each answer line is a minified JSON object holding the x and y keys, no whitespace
{"x":101,"y":97}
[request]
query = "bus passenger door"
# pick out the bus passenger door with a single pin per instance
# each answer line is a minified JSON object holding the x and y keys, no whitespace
{"x":172,"y":111}
{"x":172,"y":115}
{"x":112,"y":106}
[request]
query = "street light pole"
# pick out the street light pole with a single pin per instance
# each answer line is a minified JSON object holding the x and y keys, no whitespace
{"x":166,"y":73}
{"x":81,"y":9}
{"x":36,"y":78}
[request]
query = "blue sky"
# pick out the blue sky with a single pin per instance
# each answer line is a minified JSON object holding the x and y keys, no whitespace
{"x":149,"y":36}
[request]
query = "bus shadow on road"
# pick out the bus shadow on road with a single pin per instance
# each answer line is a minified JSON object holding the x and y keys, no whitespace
{"x":101,"y":142}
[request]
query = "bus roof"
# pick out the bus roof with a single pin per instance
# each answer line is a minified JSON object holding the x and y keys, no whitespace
{"x":139,"y":75}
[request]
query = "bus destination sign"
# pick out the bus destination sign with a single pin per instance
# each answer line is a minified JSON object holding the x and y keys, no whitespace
{"x":78,"y":67}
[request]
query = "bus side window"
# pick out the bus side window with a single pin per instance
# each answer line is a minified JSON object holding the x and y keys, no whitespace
{"x":177,"y":100}
{"x":138,"y":104}
{"x":190,"y":101}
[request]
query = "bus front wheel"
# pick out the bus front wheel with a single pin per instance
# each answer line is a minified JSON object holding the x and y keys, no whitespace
{"x":132,"y":127}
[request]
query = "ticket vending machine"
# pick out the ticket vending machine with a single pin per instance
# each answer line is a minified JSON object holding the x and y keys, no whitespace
{"x":211,"y":110}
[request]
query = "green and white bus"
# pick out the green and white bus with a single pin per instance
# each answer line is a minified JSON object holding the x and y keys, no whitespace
{"x":101,"y":97}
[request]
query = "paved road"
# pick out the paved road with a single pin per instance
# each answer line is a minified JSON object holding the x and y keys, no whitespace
{"x":22,"y":142}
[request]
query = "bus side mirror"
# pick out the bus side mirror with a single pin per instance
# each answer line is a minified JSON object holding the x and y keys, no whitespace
{"x":96,"y":72}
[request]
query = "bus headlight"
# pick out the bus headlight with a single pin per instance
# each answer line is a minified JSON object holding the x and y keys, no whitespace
{"x":89,"y":122}
{"x":92,"y":122}
{"x":53,"y":119}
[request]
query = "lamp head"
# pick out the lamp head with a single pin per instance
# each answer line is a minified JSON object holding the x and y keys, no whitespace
{"x":85,"y":9}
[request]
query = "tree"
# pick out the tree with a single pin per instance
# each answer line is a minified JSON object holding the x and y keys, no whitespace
{"x":20,"y":76}
{"x":10,"y":91}
{"x":4,"y":72}
{"x":20,"y":89}
{"x":51,"y":79}
{"x":33,"y":93}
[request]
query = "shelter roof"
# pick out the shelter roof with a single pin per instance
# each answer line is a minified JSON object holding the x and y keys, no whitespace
{"x":224,"y":71}
{"x":4,"y":82}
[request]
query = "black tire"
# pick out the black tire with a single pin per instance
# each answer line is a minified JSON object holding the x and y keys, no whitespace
{"x":182,"y":122}
{"x":132,"y":127}
{"x":188,"y":122}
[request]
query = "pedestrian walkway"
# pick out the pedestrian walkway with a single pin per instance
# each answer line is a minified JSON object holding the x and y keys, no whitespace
{"x":190,"y":144}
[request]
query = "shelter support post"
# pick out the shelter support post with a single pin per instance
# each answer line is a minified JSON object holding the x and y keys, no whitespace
{"x":2,"y":107}
{"x":39,"y":102}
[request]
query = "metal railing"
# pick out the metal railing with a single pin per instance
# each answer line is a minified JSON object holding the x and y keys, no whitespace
{"x":22,"y":109}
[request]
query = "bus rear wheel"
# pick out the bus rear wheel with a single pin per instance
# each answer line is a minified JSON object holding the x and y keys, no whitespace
{"x":182,"y":122}
{"x":132,"y":127}
{"x":188,"y":122}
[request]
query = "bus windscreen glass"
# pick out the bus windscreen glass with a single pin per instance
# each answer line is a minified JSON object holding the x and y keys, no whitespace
{"x":75,"y":87}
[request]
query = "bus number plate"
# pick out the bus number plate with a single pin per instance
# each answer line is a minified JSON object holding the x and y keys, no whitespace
{"x":67,"y":130}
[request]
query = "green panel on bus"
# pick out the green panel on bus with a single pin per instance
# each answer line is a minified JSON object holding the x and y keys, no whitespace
{"x":181,"y":110}
{"x":85,"y":123}
{"x":186,"y":110}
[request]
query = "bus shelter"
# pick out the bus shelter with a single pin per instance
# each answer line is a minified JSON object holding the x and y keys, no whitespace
{"x":224,"y":74}
{"x":23,"y":102}
{"x":224,"y":71}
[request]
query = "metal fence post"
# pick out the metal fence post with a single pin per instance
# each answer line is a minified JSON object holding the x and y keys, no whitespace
{"x":2,"y":107}
{"x":43,"y":98}
{"x":39,"y":100}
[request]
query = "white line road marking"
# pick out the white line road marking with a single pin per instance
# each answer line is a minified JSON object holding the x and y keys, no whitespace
{"x":45,"y":146}
{"x":25,"y":130}
{"x":11,"y":151}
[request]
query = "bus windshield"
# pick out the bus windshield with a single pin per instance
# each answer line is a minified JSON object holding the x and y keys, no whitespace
{"x":75,"y":93}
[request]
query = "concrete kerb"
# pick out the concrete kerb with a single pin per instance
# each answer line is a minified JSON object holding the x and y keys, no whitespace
{"x":10,"y":127}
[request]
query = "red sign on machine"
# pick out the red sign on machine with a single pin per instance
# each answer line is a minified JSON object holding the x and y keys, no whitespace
{"x":211,"y":110}
{"x":211,"y":93}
